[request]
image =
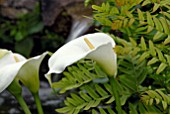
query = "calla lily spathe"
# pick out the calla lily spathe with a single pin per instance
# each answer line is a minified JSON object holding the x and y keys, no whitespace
{"x":12,"y":64}
{"x":100,"y":49}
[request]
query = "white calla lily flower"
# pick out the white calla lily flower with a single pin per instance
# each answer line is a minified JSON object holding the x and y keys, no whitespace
{"x":29,"y":72}
{"x":12,"y":64}
{"x":5,"y":58}
{"x":97,"y":46}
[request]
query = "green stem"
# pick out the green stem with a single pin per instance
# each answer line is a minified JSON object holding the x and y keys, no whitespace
{"x":38,"y":103}
{"x":23,"y":104}
{"x":16,"y":90}
{"x":116,"y":94}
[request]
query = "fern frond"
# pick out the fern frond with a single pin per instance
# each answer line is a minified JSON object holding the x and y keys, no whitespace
{"x":154,"y":55}
{"x":84,"y":100}
{"x":152,"y":97}
{"x":134,"y":72}
{"x":140,"y":108}
{"x":90,"y":96}
{"x":143,"y":53}
{"x":103,"y":110}
{"x":80,"y":74}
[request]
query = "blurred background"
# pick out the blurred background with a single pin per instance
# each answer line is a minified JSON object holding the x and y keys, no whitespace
{"x":31,"y":27}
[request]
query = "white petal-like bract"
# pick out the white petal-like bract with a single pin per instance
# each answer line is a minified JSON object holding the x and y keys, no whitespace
{"x":13,"y":64}
{"x":77,"y":49}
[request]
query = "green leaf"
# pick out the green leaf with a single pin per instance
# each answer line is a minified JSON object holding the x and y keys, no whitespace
{"x":24,"y":47}
{"x":152,"y":48}
{"x":133,"y":42}
{"x":144,"y":56}
{"x":150,"y":28}
{"x":77,"y":98}
{"x":161,"y":67}
{"x":158,"y":24}
{"x":19,"y":36}
{"x":91,"y":92}
{"x":108,"y":88}
{"x":156,"y":6}
{"x":167,"y":40}
{"x":87,"y":2}
{"x":95,"y":7}
{"x":164,"y":105}
{"x":64,"y":109}
{"x":76,"y":111}
{"x":152,"y":109}
{"x":124,"y":98}
{"x":114,"y":10}
{"x":165,"y":25}
{"x":152,"y":61}
{"x":149,"y":19}
{"x":146,"y":2}
{"x":94,"y":111}
{"x":143,"y":44}
{"x":36,"y":28}
{"x":68,"y":75}
{"x":158,"y":36}
{"x":115,"y":90}
{"x":164,"y":2}
{"x":140,"y":15}
{"x":168,"y":59}
{"x":110,"y":100}
{"x":89,"y":105}
{"x":96,"y":103}
{"x":129,"y":83}
{"x":150,"y":101}
{"x":162,"y":94}
{"x":142,"y":109}
{"x":157,"y":100}
{"x":125,"y":22}
{"x":135,"y":51}
{"x":153,"y":94}
{"x":110,"y":111}
{"x":141,"y":29}
{"x":85,"y":96}
{"x":72,"y":101}
{"x":132,"y":109}
{"x":81,"y":105}
{"x":102,"y":111}
{"x":160,"y":55}
{"x":101,"y":91}
{"x":132,"y":20}
{"x":99,"y":71}
{"x":166,"y":14}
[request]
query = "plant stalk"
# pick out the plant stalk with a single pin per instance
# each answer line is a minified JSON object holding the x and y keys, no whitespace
{"x":23,"y":104}
{"x":38,"y":103}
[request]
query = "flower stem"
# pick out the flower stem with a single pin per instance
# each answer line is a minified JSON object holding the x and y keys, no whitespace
{"x":16,"y":90}
{"x":23,"y":104}
{"x":38,"y":103}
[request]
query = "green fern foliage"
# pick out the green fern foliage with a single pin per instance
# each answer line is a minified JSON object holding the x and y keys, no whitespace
{"x":130,"y":18}
{"x":141,"y":30}
{"x":141,"y":108}
{"x":144,"y":51}
{"x":133,"y":74}
{"x":106,"y":110}
{"x":89,"y":97}
{"x":156,"y":97}
{"x":84,"y":100}
{"x":81,"y":73}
